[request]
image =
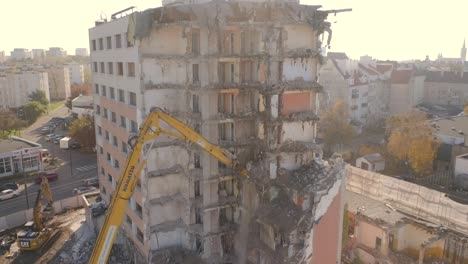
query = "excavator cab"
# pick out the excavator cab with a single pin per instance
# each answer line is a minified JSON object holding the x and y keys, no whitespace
{"x":35,"y":235}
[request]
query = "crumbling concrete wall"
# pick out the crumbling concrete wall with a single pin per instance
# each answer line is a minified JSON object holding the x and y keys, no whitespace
{"x":408,"y":197}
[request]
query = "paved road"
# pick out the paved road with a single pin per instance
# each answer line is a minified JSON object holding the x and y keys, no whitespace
{"x":83,"y":166}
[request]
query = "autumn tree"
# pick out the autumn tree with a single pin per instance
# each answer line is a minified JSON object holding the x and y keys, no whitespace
{"x":82,"y":130}
{"x":77,"y":89}
{"x":10,"y":122}
{"x":32,"y":111}
{"x":335,"y":126}
{"x":39,"y":96}
{"x":411,"y":141}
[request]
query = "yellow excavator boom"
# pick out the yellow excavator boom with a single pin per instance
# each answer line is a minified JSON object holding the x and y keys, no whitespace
{"x":149,"y":130}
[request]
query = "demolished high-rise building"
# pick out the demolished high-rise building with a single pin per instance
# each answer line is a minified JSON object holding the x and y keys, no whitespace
{"x":244,"y":75}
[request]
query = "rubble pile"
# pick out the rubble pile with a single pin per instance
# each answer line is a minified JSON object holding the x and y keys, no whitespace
{"x":176,"y":256}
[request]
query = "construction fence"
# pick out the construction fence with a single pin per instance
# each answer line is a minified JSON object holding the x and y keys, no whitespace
{"x":20,"y":218}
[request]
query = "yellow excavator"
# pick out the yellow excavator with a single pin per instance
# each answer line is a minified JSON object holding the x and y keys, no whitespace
{"x":36,"y":235}
{"x":150,"y":130}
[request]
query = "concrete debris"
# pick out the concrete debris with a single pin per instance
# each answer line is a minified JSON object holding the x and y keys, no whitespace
{"x":176,"y":256}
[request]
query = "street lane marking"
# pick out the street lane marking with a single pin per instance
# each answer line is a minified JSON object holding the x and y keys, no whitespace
{"x":87,"y":167}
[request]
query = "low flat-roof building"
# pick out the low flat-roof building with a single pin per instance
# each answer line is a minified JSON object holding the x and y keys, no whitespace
{"x":19,"y":155}
{"x":82,"y":105}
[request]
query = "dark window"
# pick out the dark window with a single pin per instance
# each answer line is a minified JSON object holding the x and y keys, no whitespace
{"x":139,"y":210}
{"x":101,"y":44}
{"x":112,"y":92}
{"x":95,"y":67}
{"x":116,"y":164}
{"x":114,"y":117}
{"x":104,"y":190}
{"x":195,"y":41}
{"x":96,"y":88}
{"x":196,"y":160}
{"x":195,"y":78}
{"x":118,"y":41}
{"x":120,"y":68}
{"x":196,"y":187}
{"x":198,"y":216}
{"x":199,"y":244}
{"x":378,"y":243}
{"x":107,"y":135}
{"x":101,"y":150}
{"x":195,"y":104}
{"x":109,"y":42}
{"x":109,"y":178}
{"x":232,"y":73}
{"x":124,"y":147}
{"x":98,"y":110}
{"x":133,"y":127}
{"x":103,"y":172}
{"x":131,"y":69}
{"x":123,"y":122}
{"x":128,"y":221}
{"x":110,"y":67}
{"x":132,"y":98}
{"x":140,"y":235}
{"x":104,"y":90}
{"x":114,"y":140}
{"x":121,"y":96}
{"x":94,"y":45}
{"x":106,"y":113}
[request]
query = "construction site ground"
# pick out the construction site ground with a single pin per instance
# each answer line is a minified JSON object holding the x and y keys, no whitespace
{"x":73,"y":245}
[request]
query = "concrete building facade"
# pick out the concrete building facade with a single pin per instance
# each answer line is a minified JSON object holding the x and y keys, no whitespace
{"x":19,"y":155}
{"x":248,"y":83}
{"x":38,"y":54}
{"x":56,"y":52}
{"x":76,"y":73}
{"x":81,"y":52}
{"x":20,"y":54}
{"x":16,"y":86}
{"x":406,"y":91}
{"x":59,"y":82}
{"x":446,"y":88}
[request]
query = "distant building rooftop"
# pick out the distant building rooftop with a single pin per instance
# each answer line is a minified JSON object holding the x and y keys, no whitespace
{"x":456,"y":126}
{"x":15,"y":143}
{"x":446,"y":77}
{"x":373,"y":209}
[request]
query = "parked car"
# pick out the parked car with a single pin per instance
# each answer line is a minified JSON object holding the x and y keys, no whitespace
{"x":57,"y":139}
{"x":83,"y":189}
{"x":8,"y":194}
{"x":9,"y":185}
{"x":98,"y":208}
{"x":92,"y":182}
{"x":51,"y":176}
{"x":74,"y":144}
{"x":48,"y":137}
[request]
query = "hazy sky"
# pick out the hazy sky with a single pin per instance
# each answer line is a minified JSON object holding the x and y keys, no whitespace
{"x":385,"y":29}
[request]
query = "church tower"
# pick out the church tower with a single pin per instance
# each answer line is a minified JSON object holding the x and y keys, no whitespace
{"x":463,"y":52}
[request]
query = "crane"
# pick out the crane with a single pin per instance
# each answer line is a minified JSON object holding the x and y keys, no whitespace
{"x":35,"y":234}
{"x":150,"y":129}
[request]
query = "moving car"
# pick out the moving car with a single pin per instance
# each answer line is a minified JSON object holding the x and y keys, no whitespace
{"x":8,"y":194}
{"x":51,"y":176}
{"x":92,"y":182}
{"x":83,"y":189}
{"x":57,"y":139}
{"x":9,"y":185}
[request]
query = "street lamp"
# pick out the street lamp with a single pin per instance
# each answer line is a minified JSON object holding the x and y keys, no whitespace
{"x":24,"y":178}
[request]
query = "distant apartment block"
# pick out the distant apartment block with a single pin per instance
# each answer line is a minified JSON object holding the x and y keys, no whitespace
{"x":76,"y":73}
{"x":15,"y":87}
{"x":406,"y":90}
{"x":357,"y":83}
{"x":59,"y":82}
{"x":38,"y":53}
{"x":20,"y":54}
{"x":56,"y":52}
{"x":81,"y":52}
{"x":446,"y":88}
{"x":2,"y":56}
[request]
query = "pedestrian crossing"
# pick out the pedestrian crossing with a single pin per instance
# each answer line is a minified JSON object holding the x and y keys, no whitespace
{"x":87,"y":167}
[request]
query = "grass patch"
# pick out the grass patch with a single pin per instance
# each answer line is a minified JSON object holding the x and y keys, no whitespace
{"x":6,"y":134}
{"x":55,"y":105}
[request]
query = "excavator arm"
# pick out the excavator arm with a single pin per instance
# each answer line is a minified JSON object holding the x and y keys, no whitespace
{"x":37,"y":212}
{"x":149,"y":130}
